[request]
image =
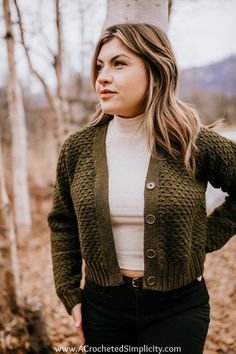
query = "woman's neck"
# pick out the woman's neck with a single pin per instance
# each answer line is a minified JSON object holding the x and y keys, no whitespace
{"x":127,"y":125}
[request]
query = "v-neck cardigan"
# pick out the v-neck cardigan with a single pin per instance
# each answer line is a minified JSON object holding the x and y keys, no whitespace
{"x":177,"y":231}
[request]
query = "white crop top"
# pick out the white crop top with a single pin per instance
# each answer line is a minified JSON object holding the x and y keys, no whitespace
{"x":127,"y":158}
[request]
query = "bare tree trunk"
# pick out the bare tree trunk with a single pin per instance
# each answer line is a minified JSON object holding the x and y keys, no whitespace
{"x":18,"y":131}
{"x":15,"y":318}
{"x":155,"y":12}
{"x":7,"y":275}
{"x":8,"y":220}
{"x":58,"y":60}
{"x":13,"y":329}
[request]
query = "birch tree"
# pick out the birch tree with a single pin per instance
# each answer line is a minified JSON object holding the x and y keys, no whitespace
{"x":9,"y":277}
{"x":16,"y":111}
{"x":155,"y":12}
{"x":58,"y":65}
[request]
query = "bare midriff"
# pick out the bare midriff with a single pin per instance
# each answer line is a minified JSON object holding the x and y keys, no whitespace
{"x":132,"y":273}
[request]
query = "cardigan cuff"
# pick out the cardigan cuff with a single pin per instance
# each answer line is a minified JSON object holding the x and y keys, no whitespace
{"x":70,"y":298}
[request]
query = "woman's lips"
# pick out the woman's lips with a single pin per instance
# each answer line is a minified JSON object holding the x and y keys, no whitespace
{"x":107,"y":94}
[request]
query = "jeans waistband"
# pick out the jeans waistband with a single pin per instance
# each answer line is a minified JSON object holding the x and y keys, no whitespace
{"x":138,"y":283}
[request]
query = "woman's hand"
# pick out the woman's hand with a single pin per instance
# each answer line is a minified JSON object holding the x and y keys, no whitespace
{"x":77,"y":317}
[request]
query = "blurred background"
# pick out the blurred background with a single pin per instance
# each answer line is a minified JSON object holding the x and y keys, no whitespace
{"x":46,"y":94}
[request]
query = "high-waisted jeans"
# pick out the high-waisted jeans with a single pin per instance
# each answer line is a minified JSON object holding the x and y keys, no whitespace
{"x":124,"y":317}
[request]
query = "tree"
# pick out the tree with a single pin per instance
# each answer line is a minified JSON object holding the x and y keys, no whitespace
{"x":58,"y":66}
{"x":13,"y":329}
{"x":7,"y":244}
{"x":57,"y":101}
{"x":155,"y":12}
{"x":18,"y":132}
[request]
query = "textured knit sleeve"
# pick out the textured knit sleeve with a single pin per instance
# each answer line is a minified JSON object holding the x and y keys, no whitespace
{"x":65,"y":248}
{"x":220,"y":170}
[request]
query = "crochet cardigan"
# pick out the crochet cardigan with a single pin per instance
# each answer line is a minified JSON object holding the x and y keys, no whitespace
{"x":177,"y":231}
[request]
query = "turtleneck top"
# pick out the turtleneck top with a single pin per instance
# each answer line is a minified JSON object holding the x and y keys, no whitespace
{"x":127,"y":159}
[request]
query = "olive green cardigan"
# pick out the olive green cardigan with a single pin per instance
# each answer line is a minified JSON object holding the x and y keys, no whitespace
{"x":177,"y":231}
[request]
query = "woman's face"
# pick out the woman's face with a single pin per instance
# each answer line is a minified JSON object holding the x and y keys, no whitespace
{"x":122,"y":80}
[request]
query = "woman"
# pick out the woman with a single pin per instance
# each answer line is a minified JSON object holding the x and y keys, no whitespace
{"x":129,"y":200}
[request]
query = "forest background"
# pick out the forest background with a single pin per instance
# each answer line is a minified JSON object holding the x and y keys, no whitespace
{"x":45,"y":95}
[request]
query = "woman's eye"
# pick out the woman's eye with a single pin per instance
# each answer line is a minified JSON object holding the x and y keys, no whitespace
{"x":119,"y":63}
{"x":99,"y":67}
{"x":116,"y":63}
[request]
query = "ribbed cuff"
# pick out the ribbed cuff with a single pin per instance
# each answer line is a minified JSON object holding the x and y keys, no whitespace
{"x":70,"y":298}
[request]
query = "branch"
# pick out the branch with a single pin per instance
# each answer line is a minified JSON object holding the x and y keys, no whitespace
{"x":47,"y":90}
{"x":58,"y":57}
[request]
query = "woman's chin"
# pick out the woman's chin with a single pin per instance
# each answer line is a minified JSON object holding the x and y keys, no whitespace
{"x":110,"y":111}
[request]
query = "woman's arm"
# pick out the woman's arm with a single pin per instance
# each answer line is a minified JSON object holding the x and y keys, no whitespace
{"x":220,"y":170}
{"x":65,"y":247}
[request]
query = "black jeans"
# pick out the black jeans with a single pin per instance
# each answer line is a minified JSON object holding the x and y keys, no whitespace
{"x":123,"y":316}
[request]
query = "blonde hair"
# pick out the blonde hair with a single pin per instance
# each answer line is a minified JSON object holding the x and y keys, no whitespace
{"x":168,"y":122}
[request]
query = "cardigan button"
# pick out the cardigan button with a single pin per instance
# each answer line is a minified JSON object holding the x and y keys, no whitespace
{"x":151,"y":185}
{"x":151,"y":280}
{"x":150,"y":253}
{"x":150,"y":219}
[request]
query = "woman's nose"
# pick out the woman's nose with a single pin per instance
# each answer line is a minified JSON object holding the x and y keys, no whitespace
{"x":104,"y":77}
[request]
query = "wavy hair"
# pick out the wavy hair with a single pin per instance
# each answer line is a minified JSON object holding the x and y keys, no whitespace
{"x":168,"y":122}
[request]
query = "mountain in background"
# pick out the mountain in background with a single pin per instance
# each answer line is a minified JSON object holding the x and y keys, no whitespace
{"x":219,"y":77}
